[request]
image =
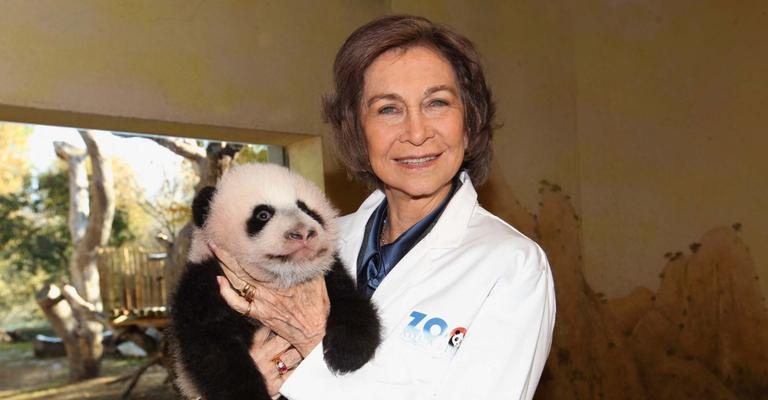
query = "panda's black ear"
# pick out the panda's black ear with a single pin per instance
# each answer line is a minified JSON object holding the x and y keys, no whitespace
{"x":201,"y":205}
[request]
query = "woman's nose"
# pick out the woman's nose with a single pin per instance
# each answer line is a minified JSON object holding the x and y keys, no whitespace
{"x":416,"y":130}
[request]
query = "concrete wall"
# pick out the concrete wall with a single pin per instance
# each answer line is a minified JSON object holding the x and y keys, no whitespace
{"x":526,"y":46}
{"x":238,"y":70}
{"x":671,"y":110}
{"x":649,"y":113}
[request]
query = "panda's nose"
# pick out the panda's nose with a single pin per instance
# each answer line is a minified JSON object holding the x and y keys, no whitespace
{"x":301,"y":234}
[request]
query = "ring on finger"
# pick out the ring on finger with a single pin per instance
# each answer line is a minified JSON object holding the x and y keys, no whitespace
{"x":248,"y":292}
{"x":248,"y":310}
{"x":280,"y":365}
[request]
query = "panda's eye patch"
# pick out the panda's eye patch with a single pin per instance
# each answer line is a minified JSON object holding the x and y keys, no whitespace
{"x":260,"y":215}
{"x":312,"y":213}
{"x":264,"y":215}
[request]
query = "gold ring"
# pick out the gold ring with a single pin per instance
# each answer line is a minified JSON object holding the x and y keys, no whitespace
{"x":248,"y":311}
{"x":248,"y":292}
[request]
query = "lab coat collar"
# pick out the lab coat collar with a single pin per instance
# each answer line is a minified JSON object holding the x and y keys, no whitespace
{"x":447,"y":232}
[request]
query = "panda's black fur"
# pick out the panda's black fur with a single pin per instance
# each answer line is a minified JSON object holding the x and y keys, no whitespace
{"x":210,"y":340}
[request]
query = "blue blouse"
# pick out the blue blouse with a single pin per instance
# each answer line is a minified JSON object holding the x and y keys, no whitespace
{"x":375,"y":261}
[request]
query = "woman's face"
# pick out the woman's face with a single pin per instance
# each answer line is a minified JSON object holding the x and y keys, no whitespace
{"x":413,"y":120}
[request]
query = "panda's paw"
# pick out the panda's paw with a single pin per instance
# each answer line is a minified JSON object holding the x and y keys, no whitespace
{"x":346,"y":350}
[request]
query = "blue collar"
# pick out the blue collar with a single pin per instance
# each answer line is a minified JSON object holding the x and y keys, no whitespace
{"x":374,"y":261}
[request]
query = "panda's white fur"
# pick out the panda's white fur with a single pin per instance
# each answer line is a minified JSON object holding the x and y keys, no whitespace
{"x":269,"y":255}
{"x":211,"y":342}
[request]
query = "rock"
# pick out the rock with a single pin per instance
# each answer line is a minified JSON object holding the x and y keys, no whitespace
{"x":590,"y":358}
{"x":497,"y":196}
{"x":702,"y":335}
{"x":130,"y":349}
{"x":726,"y":324}
{"x":664,"y":372}
{"x":628,"y":310}
{"x":48,"y":347}
{"x":707,"y":333}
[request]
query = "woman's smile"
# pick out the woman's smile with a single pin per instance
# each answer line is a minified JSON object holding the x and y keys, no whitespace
{"x":418,"y":162}
{"x":413,"y":120}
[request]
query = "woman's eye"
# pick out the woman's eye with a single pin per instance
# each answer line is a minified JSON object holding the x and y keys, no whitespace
{"x":264,"y":215}
{"x":387,"y":110}
{"x":438,"y":103}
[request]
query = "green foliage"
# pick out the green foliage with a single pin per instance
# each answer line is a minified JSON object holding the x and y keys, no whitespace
{"x":35,"y":242}
{"x":252,"y":153}
{"x":52,"y":191}
{"x":132,"y":224}
{"x":34,"y":247}
{"x":14,"y":163}
{"x":34,"y":235}
{"x":170,"y":208}
{"x":121,"y":229}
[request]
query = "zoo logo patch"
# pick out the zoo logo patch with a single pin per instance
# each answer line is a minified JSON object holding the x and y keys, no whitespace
{"x":432,"y":333}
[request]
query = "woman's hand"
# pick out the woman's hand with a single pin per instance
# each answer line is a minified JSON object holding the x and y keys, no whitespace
{"x":267,"y":351}
{"x":297,"y":314}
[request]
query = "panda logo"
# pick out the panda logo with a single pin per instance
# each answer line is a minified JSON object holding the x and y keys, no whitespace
{"x":457,"y":336}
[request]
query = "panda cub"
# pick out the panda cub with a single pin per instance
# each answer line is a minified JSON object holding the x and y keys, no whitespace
{"x":281,"y":228}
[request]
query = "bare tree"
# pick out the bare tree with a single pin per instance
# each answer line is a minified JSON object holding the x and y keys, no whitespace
{"x":74,"y":312}
{"x":210,"y":161}
{"x":169,"y":206}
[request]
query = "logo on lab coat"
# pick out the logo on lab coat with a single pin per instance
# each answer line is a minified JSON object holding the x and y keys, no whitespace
{"x":457,"y":336}
{"x":432,"y":333}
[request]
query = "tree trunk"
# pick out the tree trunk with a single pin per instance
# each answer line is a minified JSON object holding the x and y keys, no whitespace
{"x":81,"y":333}
{"x":79,"y":201}
{"x":102,"y":212}
{"x":210,"y":163}
{"x":74,"y":312}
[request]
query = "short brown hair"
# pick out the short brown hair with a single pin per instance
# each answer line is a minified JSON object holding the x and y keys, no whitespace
{"x":341,"y":107}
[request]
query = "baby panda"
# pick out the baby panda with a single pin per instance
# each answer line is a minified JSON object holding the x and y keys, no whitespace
{"x":280,"y":228}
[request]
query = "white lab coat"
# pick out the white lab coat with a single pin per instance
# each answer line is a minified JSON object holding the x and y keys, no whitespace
{"x":472,"y":271}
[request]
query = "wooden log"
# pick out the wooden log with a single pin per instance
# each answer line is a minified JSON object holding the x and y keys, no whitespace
{"x":71,"y":318}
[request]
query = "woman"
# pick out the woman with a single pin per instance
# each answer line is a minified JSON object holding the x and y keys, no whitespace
{"x":466,"y":301}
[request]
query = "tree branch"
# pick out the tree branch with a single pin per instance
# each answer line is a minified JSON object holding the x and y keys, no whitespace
{"x":65,"y":151}
{"x":102,"y":191}
{"x":186,"y":148}
{"x":82,"y":307}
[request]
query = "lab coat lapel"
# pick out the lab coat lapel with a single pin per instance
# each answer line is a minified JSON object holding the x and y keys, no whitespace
{"x":418,"y":264}
{"x":353,"y":231}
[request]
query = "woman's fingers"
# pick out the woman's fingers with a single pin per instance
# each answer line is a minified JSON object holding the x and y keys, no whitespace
{"x":291,"y":358}
{"x":261,"y":336}
{"x":237,"y":302}
{"x":223,"y":256}
{"x":297,"y":314}
{"x":274,"y":357}
{"x":270,"y":349}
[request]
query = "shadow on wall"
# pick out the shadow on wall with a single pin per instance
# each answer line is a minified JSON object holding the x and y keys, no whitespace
{"x":703,"y":334}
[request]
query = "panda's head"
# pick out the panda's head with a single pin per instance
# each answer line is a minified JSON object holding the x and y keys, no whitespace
{"x":277,"y":225}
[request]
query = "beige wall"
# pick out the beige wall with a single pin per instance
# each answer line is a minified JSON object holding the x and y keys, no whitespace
{"x":242,"y":70}
{"x":527,"y":53}
{"x":246,"y":64}
{"x":672,"y":122}
{"x":649,"y":113}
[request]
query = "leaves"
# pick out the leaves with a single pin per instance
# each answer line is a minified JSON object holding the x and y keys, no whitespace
{"x":14,"y":163}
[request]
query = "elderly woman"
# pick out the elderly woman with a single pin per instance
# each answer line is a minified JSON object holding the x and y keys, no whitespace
{"x":466,"y":301}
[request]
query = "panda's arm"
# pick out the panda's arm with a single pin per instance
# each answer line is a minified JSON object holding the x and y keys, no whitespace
{"x":213,"y":340}
{"x":353,"y":328}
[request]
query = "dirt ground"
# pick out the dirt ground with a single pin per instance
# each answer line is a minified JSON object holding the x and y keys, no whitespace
{"x":23,"y":377}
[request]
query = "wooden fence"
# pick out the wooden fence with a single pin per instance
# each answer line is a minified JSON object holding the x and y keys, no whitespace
{"x":133,"y":283}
